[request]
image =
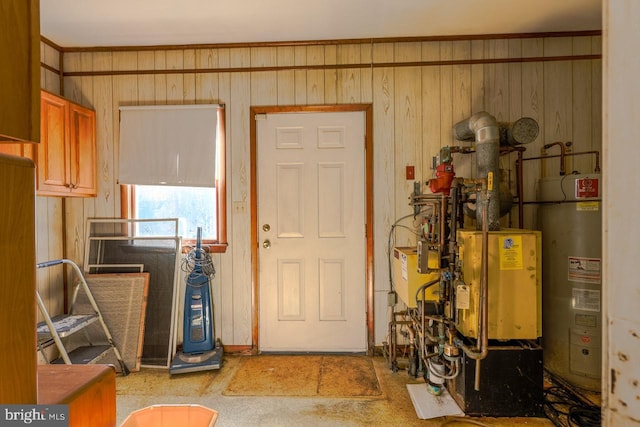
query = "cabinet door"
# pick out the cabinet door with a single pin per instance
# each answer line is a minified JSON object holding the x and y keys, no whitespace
{"x":53,"y":154}
{"x":82,"y":142}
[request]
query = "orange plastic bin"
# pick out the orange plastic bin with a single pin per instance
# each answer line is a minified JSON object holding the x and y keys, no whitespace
{"x":172,"y":415}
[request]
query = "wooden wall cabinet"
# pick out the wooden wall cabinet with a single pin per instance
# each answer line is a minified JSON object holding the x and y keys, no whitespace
{"x":67,"y":150}
{"x":20,"y":70}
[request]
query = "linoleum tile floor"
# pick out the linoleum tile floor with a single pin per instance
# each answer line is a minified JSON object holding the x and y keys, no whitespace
{"x":393,"y":407}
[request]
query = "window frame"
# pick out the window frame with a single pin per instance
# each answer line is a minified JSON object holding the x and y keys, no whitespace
{"x":127,"y":195}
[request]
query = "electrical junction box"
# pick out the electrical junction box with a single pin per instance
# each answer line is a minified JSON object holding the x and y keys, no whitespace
{"x":514,"y":288}
{"x":406,"y":278}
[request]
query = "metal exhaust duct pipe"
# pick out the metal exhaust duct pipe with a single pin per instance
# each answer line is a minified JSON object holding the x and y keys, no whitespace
{"x":523,"y":131}
{"x":483,"y":128}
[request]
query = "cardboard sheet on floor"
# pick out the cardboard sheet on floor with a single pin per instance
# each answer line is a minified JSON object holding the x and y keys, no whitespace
{"x":428,"y":406}
{"x":305,"y":375}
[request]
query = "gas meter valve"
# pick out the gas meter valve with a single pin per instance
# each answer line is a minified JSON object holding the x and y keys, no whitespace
{"x":444,"y":177}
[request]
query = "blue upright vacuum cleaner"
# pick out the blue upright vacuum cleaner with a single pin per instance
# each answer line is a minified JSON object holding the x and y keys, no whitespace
{"x":200,"y":350}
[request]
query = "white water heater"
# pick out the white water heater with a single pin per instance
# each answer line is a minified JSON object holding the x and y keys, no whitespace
{"x":570,"y":220}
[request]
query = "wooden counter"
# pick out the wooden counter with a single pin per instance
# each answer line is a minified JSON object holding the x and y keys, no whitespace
{"x":89,"y":390}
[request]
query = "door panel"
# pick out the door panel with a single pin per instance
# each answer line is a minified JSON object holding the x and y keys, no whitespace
{"x":53,"y":165}
{"x":312,"y":243}
{"x":331,"y":210}
{"x":332,"y":289}
{"x":290,"y":200}
{"x":290,"y":290}
{"x":82,"y":139}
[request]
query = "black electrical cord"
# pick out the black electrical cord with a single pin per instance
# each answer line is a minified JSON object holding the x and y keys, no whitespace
{"x":584,"y":416}
{"x":560,"y":402}
{"x":199,"y":257}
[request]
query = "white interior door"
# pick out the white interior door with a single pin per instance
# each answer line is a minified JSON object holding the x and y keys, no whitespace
{"x":312,"y":243}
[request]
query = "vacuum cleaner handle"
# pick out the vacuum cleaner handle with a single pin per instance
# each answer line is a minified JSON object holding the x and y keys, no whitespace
{"x":49,"y":263}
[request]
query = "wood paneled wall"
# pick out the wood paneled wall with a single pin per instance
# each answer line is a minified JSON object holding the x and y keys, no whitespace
{"x":418,"y":90}
{"x":49,"y":210}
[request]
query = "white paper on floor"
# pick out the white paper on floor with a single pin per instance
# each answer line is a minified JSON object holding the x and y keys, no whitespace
{"x":429,"y":406}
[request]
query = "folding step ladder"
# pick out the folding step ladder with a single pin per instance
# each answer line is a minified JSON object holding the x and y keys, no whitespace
{"x":53,"y":329}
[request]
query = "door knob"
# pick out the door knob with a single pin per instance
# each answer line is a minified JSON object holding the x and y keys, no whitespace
{"x":266,"y":244}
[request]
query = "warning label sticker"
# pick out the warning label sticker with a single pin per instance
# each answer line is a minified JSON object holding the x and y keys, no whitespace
{"x":585,"y":299}
{"x":403,"y":260}
{"x":585,"y":270}
{"x":586,"y":188}
{"x":463,"y":297}
{"x":588,"y":206}
{"x":511,"y":253}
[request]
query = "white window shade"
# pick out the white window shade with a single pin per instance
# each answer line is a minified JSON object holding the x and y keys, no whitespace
{"x":168,"y":145}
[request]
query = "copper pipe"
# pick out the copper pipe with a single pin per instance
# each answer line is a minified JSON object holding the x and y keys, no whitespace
{"x":482,"y":346}
{"x":519,"y":180}
{"x":392,"y":336}
{"x":520,"y":189}
{"x":454,"y":217}
{"x":443,"y":221}
{"x":595,"y":153}
{"x":563,"y":153}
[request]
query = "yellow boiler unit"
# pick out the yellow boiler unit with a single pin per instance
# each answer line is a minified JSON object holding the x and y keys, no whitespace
{"x":406,"y":278}
{"x":514,"y":284}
